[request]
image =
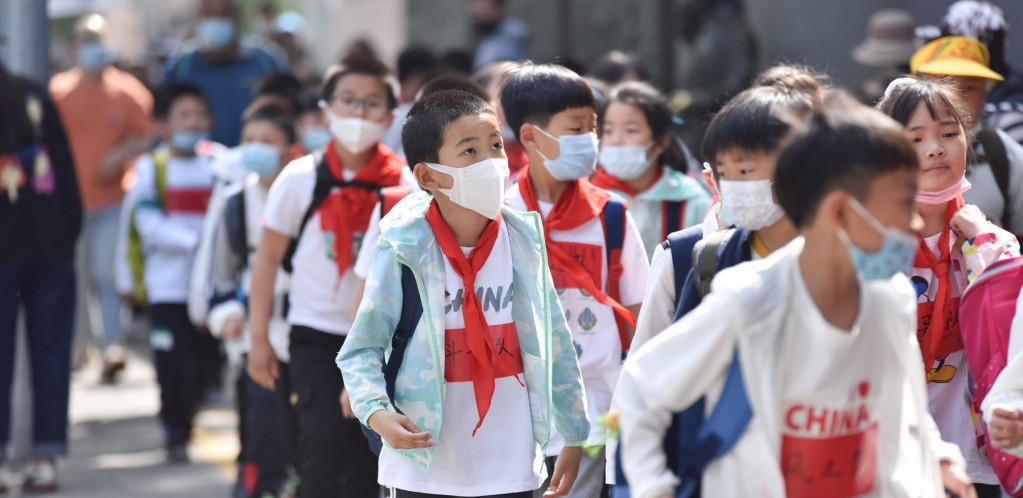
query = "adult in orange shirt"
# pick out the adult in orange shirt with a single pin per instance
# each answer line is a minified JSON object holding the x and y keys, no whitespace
{"x":106,"y":112}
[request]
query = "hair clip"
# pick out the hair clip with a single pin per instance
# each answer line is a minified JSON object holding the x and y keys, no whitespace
{"x":898,"y":83}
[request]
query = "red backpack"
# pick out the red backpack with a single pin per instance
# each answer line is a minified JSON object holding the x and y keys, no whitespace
{"x":985,"y":319}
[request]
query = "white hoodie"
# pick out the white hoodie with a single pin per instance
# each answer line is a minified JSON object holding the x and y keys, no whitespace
{"x":818,"y":393}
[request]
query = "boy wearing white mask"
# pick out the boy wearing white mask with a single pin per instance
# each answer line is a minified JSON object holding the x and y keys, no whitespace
{"x":742,"y":142}
{"x":316,"y":214}
{"x":596,"y":255}
{"x":486,"y":369}
{"x":821,"y":335}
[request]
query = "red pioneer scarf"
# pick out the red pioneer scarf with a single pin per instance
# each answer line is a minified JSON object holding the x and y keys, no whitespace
{"x":348,"y":209}
{"x":477,"y":332}
{"x":579,"y":203}
{"x":941,"y":337}
{"x":606,"y":180}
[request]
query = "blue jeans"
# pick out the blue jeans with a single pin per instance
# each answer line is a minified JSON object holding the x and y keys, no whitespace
{"x":96,"y":257}
{"x":47,"y":291}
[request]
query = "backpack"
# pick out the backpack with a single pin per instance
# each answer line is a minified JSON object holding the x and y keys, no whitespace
{"x":998,"y":159}
{"x":693,"y":440}
{"x":235,"y":225}
{"x":986,"y":311}
{"x":136,"y":252}
{"x":612,"y":218}
{"x":411,"y":311}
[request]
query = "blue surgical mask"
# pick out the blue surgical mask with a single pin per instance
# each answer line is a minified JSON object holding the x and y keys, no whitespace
{"x":93,"y":56}
{"x":315,"y":138}
{"x":895,"y":255}
{"x":261,"y":158}
{"x":626,"y":162}
{"x":215,"y":32}
{"x":577,"y":159}
{"x":187,"y":140}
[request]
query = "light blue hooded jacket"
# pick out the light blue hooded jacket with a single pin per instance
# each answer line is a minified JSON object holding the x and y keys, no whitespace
{"x":551,"y":372}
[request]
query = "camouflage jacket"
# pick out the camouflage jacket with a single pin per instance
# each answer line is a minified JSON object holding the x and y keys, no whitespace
{"x":551,"y":372}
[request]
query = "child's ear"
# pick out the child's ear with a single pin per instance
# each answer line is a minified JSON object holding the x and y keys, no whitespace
{"x":527,"y":136}
{"x":835,"y":209}
{"x":427,"y":178}
{"x":708,"y":176}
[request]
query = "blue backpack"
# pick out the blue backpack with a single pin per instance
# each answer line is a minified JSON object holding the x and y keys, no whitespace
{"x":693,"y":440}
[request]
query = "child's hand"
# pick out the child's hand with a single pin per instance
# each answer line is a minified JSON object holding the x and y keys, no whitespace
{"x":233,"y":328}
{"x":969,"y":222}
{"x":346,"y":405}
{"x":262,"y":364}
{"x":566,"y":468}
{"x":955,"y":480}
{"x":1006,"y":427}
{"x":399,"y":431}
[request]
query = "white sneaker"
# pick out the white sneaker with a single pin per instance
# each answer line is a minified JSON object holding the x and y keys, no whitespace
{"x":41,"y":475}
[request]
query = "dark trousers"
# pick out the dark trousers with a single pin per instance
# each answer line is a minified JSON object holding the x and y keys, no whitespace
{"x":47,"y":291}
{"x":334,"y":458}
{"x":178,"y":351}
{"x":988,"y":490}
{"x":268,"y":435}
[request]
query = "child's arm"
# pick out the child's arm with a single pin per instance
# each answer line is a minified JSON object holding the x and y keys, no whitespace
{"x":361,"y":358}
{"x":223,"y":278}
{"x":156,"y":230}
{"x":667,"y":375}
{"x":658,"y":300}
{"x":262,"y":364}
{"x":1004,"y":402}
{"x":635,"y":269}
{"x":985,"y":242}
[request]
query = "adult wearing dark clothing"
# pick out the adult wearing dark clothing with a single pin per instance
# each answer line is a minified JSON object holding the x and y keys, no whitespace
{"x":40,"y":217}
{"x":223,"y":67}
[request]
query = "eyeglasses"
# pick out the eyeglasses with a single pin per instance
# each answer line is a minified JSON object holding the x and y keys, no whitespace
{"x":350,"y":105}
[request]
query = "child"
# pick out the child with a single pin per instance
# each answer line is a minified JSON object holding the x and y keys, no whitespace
{"x":171,"y":193}
{"x":320,"y":205}
{"x":643,"y":161}
{"x":230,"y":235}
{"x":552,"y":112}
{"x":742,"y":141}
{"x":466,"y":419}
{"x":823,"y":334}
{"x":1003,"y":404}
{"x":958,"y":244}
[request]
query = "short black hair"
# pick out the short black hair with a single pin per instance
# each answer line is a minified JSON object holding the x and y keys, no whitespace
{"x":422,"y":133}
{"x":756,"y":120}
{"x":534,"y":93}
{"x":360,"y":64}
{"x":415,"y":60}
{"x":613,"y":66}
{"x":654,"y":106}
{"x":909,"y":92}
{"x":274,"y":113}
{"x":283,"y":85}
{"x":844,"y":146}
{"x":169,"y":94}
{"x":452,"y":82}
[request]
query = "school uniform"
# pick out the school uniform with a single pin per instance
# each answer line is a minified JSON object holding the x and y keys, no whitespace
{"x":948,"y":384}
{"x":169,"y":228}
{"x":575,"y":230}
{"x":490,"y":429}
{"x":835,"y":412}
{"x":333,"y":454}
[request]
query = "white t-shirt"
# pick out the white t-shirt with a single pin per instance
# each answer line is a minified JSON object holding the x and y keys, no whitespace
{"x":842,"y":399}
{"x":593,"y":326}
{"x":502,"y":457}
{"x":948,"y":391}
{"x":320,"y":298}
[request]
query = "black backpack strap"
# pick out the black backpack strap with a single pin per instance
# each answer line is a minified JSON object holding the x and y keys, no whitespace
{"x":235,"y":225}
{"x":672,"y":217}
{"x":681,"y":244}
{"x":998,"y":159}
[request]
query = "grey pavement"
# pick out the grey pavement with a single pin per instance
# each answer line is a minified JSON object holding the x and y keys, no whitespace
{"x":115,"y":448}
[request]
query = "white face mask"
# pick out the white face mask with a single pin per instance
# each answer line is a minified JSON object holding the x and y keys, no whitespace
{"x":355,"y":134}
{"x":479,"y":186}
{"x":626,"y":162}
{"x":577,"y":156}
{"x":749,"y":203}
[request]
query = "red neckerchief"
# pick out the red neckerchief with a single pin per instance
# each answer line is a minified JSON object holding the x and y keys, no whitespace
{"x":477,"y":332}
{"x":606,"y":180}
{"x":941,"y":337}
{"x":348,"y":209}
{"x":579,"y":203}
